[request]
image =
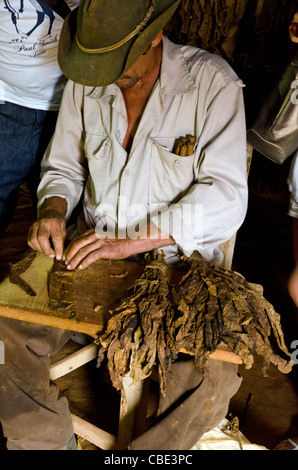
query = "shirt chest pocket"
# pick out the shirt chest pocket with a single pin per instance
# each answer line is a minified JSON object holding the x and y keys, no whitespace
{"x":170,"y":175}
{"x":98,"y":152}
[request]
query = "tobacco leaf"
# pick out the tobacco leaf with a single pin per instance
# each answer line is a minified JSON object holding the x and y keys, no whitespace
{"x":217,"y":306}
{"x":135,"y":335}
{"x":20,"y":267}
{"x":154,"y":321}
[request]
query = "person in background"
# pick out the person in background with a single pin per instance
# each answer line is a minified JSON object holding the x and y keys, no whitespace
{"x":293,"y":212}
{"x":31,"y":86}
{"x":292,"y":442}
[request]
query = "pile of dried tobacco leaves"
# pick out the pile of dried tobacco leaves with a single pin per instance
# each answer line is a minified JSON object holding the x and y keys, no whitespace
{"x":137,"y":330}
{"x":154,"y":321}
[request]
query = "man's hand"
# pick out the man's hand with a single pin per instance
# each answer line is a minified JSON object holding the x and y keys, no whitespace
{"x":48,"y":233}
{"x":91,"y":246}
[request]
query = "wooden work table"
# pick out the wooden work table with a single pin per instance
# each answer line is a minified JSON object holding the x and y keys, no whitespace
{"x":92,"y":301}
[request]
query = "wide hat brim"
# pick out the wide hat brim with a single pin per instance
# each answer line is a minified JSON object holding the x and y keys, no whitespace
{"x":104,"y":69}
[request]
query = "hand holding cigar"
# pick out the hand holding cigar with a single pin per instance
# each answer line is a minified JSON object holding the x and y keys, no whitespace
{"x":184,"y":146}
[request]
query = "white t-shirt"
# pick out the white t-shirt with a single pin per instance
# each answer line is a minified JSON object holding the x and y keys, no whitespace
{"x":29,"y":73}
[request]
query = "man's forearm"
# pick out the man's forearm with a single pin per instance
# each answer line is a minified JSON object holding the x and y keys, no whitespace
{"x":50,"y":228}
{"x":53,"y":205}
{"x":91,"y":246}
{"x":150,"y":238}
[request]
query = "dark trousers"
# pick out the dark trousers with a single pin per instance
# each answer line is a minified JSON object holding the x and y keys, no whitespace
{"x":24,"y":136}
{"x":193,"y":404}
{"x":34,"y":416}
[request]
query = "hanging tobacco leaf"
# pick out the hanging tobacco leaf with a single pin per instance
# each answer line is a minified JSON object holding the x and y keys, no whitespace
{"x":135,"y":335}
{"x":154,"y":322}
{"x":216,"y":306}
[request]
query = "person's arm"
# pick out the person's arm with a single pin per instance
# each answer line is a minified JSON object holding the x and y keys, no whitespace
{"x":48,"y":233}
{"x":215,"y":205}
{"x":63,"y":176}
{"x":90,"y":246}
{"x":293,"y":281}
{"x":293,"y":213}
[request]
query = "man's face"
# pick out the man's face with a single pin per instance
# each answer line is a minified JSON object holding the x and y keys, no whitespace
{"x":137,"y":71}
{"x":146,"y":68}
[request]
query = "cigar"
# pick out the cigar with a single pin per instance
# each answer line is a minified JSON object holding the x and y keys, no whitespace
{"x":191,"y":138}
{"x":183,"y":150}
{"x":184,"y":146}
{"x":177,"y":148}
{"x":190,"y":147}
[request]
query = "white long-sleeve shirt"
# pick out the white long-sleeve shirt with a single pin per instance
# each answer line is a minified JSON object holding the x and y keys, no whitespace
{"x":200,"y":200}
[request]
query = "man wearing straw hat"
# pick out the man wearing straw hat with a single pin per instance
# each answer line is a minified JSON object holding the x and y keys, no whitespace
{"x":132,"y":94}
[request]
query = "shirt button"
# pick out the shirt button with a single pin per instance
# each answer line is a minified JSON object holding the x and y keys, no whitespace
{"x":177,"y":162}
{"x":127,"y":173}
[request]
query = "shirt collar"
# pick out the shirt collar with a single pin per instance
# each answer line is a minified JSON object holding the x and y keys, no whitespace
{"x":175,"y":78}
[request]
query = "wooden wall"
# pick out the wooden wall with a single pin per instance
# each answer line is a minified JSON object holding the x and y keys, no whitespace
{"x":251,"y":34}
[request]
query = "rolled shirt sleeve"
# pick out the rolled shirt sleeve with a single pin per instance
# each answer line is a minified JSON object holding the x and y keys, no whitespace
{"x":64,"y":169}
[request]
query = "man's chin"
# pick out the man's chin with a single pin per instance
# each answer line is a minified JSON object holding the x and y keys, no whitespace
{"x":127,"y":82}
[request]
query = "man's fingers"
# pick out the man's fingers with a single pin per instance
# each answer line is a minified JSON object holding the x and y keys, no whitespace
{"x":32,"y":238}
{"x":80,"y":252}
{"x":47,"y":231}
{"x":79,"y":243}
{"x":58,"y":238}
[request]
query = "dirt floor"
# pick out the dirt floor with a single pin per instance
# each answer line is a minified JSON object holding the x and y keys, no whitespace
{"x":267,"y":407}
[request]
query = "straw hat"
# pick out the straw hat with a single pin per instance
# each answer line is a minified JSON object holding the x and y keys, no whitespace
{"x":101,"y":39}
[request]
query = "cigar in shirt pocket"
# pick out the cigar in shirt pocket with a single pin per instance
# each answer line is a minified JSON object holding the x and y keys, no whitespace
{"x":184,"y":146}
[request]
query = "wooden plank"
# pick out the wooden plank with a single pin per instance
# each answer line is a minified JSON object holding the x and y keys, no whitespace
{"x":49,"y":319}
{"x":222,"y":353}
{"x":225,"y":355}
{"x":133,"y":410}
{"x":73,"y":361}
{"x":93,"y":434}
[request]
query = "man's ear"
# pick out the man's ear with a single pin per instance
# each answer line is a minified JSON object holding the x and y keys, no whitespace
{"x":154,"y":43}
{"x":157,"y":39}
